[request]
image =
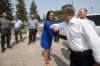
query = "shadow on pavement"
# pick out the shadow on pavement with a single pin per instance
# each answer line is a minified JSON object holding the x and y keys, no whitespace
{"x":23,"y":39}
{"x":14,"y":43}
{"x":38,"y":38}
{"x":58,"y":60}
{"x":65,"y":44}
{"x":65,"y":53}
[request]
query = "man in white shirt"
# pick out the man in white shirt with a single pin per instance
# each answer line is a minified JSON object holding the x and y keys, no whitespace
{"x":17,"y":28}
{"x":82,"y":15}
{"x":82,"y":38}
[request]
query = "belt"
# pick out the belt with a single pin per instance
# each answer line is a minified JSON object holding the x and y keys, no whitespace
{"x":82,"y":52}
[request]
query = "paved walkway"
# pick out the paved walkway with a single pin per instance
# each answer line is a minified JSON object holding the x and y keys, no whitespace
{"x":23,"y":54}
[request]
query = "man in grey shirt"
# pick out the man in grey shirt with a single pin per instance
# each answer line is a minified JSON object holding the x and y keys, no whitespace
{"x":5,"y":32}
{"x":32,"y":25}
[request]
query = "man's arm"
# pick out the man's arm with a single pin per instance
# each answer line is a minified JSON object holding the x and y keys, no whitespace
{"x":93,"y":37}
{"x":55,"y":27}
{"x":37,"y":23}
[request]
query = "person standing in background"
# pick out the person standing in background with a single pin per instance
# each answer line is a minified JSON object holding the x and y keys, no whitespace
{"x":32,"y":26}
{"x":5,"y":25}
{"x":82,"y":15}
{"x":17,"y":29}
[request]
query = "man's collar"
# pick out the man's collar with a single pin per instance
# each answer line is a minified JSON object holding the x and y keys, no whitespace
{"x":73,"y":20}
{"x":84,"y":19}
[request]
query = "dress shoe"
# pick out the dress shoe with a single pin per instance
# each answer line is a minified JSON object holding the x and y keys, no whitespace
{"x":3,"y":50}
{"x":9,"y":47}
{"x":29,"y":43}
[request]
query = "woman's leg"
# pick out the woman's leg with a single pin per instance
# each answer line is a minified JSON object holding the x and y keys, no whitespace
{"x":49,"y":54}
{"x":46,"y":55}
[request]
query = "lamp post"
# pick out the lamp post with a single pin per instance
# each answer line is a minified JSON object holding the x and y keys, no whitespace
{"x":91,"y":9}
{"x":72,"y":2}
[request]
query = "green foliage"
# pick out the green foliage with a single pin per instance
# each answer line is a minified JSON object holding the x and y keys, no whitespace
{"x":58,"y":13}
{"x":6,"y":6}
{"x":33,"y":10}
{"x":21,"y":12}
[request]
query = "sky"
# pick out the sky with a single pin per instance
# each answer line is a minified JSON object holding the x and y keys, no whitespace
{"x":93,"y":6}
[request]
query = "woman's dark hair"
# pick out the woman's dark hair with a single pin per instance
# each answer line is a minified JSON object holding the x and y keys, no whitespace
{"x":48,"y":13}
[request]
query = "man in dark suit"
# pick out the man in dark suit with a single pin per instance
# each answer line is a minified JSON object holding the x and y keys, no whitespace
{"x":5,"y":31}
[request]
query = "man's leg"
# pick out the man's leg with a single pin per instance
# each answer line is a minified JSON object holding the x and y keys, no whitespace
{"x":20,"y":34}
{"x":90,"y":58}
{"x":2,"y":42}
{"x":16,"y":36}
{"x":82,"y":59}
{"x":30,"y":35}
{"x":72,"y":60}
{"x":8,"y":37}
{"x":34,"y":34}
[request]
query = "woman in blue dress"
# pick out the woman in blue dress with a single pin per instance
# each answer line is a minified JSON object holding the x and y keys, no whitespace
{"x":47,"y":35}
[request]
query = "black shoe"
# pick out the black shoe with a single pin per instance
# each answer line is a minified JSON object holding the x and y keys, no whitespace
{"x":9,"y":47}
{"x":16,"y":41}
{"x":3,"y":50}
{"x":21,"y":39}
{"x":29,"y":43}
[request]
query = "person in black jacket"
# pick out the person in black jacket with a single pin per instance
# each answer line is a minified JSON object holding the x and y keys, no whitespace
{"x":5,"y":31}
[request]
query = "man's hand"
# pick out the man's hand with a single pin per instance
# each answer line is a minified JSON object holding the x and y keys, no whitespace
{"x":55,"y":28}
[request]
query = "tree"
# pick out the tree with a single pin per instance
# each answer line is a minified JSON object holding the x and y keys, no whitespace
{"x":33,"y":10}
{"x":6,"y":6}
{"x":58,"y":13}
{"x":44,"y":17}
{"x":21,"y":12}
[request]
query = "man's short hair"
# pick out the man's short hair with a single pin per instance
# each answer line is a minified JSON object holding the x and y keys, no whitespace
{"x":69,"y":8}
{"x":85,"y":9}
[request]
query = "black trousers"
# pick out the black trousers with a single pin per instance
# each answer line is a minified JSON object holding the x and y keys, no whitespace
{"x":18,"y":33}
{"x":32,"y":34}
{"x":81,"y":58}
{"x":5,"y":38}
{"x":56,"y":38}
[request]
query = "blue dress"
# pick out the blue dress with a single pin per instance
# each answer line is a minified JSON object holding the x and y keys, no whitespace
{"x":47,"y":35}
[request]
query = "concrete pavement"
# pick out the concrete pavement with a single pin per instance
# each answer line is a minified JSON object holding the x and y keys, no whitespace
{"x":23,"y":54}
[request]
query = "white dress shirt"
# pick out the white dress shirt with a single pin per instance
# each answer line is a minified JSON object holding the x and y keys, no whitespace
{"x":18,"y":24}
{"x":91,"y":22}
{"x":81,"y":36}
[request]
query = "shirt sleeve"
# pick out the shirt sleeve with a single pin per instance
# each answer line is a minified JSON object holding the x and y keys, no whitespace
{"x":93,"y":24}
{"x":37,"y":23}
{"x":94,"y":39}
{"x":58,"y":25}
